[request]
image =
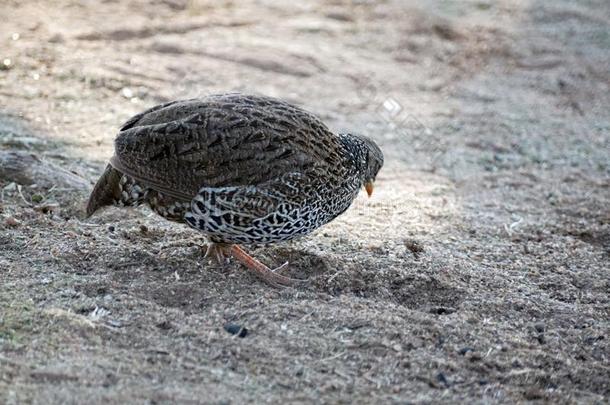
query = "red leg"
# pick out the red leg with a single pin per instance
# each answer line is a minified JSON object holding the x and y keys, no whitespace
{"x":264,"y":272}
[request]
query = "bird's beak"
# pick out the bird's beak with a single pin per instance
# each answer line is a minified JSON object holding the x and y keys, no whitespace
{"x":368,"y":186}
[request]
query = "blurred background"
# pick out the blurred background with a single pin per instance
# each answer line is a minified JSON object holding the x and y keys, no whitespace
{"x":414,"y":73}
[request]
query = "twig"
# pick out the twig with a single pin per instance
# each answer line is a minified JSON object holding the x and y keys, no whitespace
{"x":22,"y":196}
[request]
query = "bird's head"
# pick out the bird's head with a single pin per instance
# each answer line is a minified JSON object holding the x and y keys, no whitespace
{"x":367,"y":157}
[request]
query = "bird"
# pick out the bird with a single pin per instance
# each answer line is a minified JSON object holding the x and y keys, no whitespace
{"x":243,"y":169}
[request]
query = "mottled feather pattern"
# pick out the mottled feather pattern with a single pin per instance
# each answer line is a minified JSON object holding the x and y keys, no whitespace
{"x":221,"y":141}
{"x":240,"y":168}
{"x":279,"y":210}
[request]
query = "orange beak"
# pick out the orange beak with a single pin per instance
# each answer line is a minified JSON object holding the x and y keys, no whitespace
{"x":369,"y":187}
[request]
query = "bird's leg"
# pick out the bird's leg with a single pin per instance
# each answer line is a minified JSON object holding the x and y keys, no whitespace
{"x":221,"y":251}
{"x":264,"y":272}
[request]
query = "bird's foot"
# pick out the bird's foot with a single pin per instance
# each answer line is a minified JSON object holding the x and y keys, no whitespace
{"x":218,"y":251}
{"x":221,"y":252}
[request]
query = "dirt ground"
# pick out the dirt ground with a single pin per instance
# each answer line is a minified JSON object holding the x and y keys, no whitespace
{"x":479,"y":271}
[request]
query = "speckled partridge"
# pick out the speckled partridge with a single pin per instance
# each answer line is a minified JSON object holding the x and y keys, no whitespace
{"x":243,"y":169}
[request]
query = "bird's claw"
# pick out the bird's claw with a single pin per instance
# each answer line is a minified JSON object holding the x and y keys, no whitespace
{"x":217,"y":251}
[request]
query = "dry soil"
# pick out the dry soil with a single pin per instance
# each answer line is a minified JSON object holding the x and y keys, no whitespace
{"x":478,"y":271}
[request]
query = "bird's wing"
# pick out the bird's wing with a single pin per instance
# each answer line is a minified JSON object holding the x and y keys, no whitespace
{"x":221,"y":141}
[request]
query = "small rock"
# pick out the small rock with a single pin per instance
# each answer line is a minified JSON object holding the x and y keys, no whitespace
{"x":414,"y":246}
{"x":127,"y":92}
{"x":111,"y":228}
{"x":12,"y":186}
{"x":47,"y":208}
{"x":440,"y":377}
{"x":235,"y":329}
{"x":446,"y":31}
{"x":6,"y":64}
{"x":533,"y":394}
{"x":165,"y":325}
{"x":465,"y":350}
{"x":473,"y":356}
{"x":442,"y":310}
{"x":114,"y":323}
{"x":12,"y":222}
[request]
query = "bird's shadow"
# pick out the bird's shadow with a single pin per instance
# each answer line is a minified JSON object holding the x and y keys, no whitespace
{"x":191,"y":282}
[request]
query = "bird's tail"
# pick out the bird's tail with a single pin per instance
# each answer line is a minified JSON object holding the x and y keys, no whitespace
{"x":107,"y":190}
{"x":116,"y":188}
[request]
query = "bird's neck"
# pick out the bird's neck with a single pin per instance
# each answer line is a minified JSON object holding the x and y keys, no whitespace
{"x":354,"y":156}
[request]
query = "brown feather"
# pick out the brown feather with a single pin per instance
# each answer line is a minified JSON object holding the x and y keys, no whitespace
{"x":106,"y":190}
{"x":221,"y":141}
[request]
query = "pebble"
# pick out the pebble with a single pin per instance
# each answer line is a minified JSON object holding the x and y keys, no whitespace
{"x":127,"y":92}
{"x":465,"y":350}
{"x":114,"y":323}
{"x":440,"y":377}
{"x":235,"y":329}
{"x":12,"y":222}
{"x":473,"y":356}
{"x":414,"y":246}
{"x":165,"y":325}
{"x":6,"y":64}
